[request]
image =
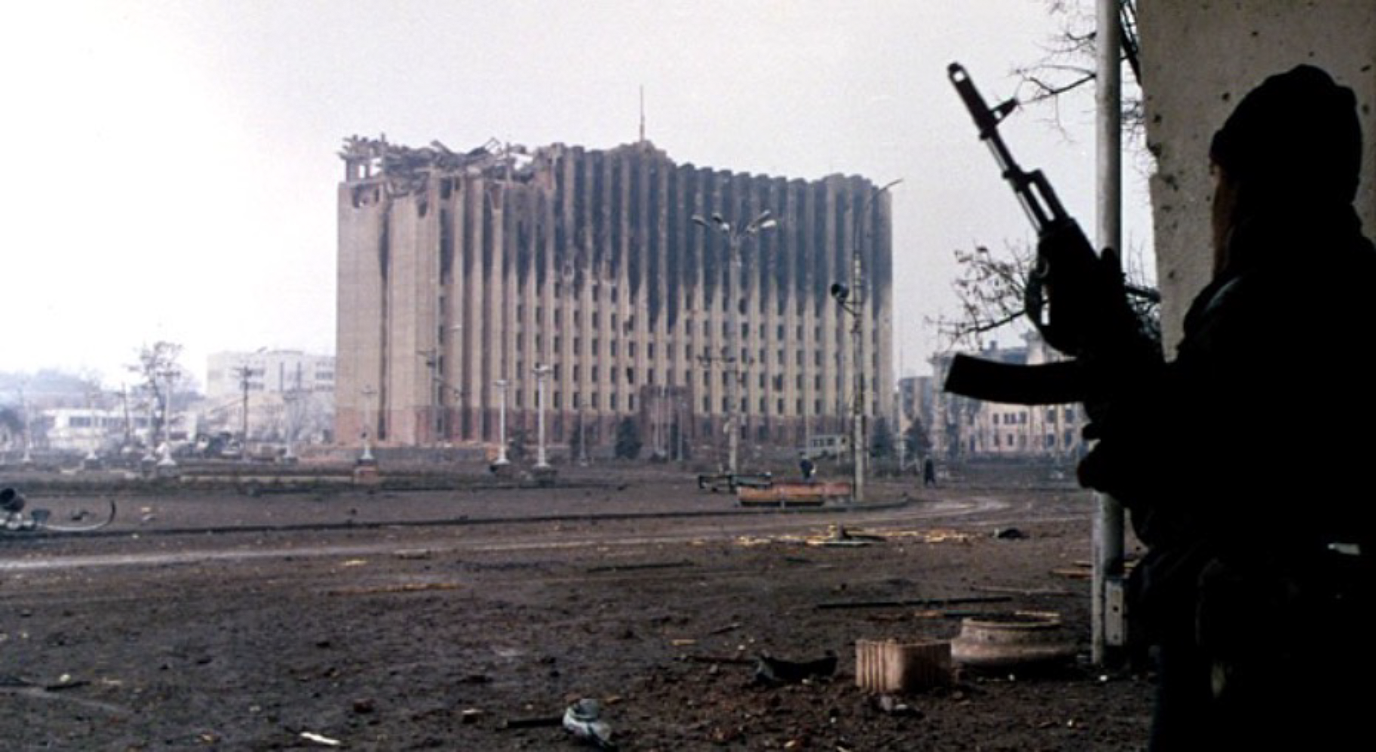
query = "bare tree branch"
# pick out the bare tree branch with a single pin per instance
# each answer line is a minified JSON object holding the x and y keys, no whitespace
{"x":1069,"y":62}
{"x":991,"y":291}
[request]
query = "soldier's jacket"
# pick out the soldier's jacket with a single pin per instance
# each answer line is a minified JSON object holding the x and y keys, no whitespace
{"x":1254,"y":445}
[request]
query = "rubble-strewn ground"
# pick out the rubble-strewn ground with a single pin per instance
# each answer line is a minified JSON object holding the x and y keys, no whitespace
{"x":436,"y":636}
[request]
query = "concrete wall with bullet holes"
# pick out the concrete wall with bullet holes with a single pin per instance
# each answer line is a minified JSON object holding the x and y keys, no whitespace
{"x":1199,"y":58}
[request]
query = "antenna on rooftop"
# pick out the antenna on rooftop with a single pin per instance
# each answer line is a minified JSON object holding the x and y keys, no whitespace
{"x":642,"y":113}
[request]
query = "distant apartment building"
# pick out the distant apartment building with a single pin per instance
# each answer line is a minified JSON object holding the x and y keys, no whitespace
{"x":461,"y":272}
{"x":290,"y":394}
{"x":973,"y":429}
{"x":915,"y":400}
{"x":268,"y":372}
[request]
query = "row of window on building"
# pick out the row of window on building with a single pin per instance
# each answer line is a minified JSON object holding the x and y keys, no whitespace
{"x":614,"y":403}
{"x":1020,"y":441}
{"x":1020,"y":417}
{"x":691,"y":327}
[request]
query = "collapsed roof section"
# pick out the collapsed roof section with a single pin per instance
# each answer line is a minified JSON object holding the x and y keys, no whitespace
{"x":405,"y":168}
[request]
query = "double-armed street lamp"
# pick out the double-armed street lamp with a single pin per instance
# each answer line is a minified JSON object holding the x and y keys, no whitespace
{"x":734,"y":235}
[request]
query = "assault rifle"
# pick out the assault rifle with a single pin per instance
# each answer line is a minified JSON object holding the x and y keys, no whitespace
{"x":1066,"y":289}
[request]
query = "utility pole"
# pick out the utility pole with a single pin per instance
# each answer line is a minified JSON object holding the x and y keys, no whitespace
{"x":852,"y":301}
{"x":1109,"y":623}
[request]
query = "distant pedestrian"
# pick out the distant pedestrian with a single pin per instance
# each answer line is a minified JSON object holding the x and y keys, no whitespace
{"x":808,"y":469}
{"x":928,"y":473}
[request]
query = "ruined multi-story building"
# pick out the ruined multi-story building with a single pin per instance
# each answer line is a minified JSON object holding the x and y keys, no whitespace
{"x":461,"y":271}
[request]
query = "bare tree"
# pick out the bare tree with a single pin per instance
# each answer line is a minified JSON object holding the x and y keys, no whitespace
{"x":1069,"y":60}
{"x":158,"y":372}
{"x":992,"y":290}
{"x":991,"y":286}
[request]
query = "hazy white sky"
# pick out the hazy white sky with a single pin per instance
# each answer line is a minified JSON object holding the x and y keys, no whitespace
{"x":173,"y":163}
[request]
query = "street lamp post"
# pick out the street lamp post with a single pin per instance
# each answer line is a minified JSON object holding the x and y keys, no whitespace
{"x":92,"y":458}
{"x":152,"y":437}
{"x":541,"y":373}
{"x":434,"y":361}
{"x":734,"y":234}
{"x":367,"y":456}
{"x":167,"y":460}
{"x":852,"y":301}
{"x":582,"y":438}
{"x":290,"y":403}
{"x":501,"y":422}
{"x":245,"y":371}
{"x":27,"y":459}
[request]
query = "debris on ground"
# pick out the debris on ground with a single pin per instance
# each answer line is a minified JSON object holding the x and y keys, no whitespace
{"x":840,"y":536}
{"x":318,"y":739}
{"x":533,"y":722}
{"x":772,"y":672}
{"x":405,"y":587}
{"x":887,"y":666}
{"x":829,"y":605}
{"x":1009,"y":533}
{"x":1020,"y":591}
{"x":637,"y":567}
{"x":891,"y":705}
{"x":583,"y":720}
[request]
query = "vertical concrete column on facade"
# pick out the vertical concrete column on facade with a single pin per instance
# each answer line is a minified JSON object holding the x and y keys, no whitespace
{"x":468,"y":281}
{"x":804,"y":211}
{"x":430,"y":329}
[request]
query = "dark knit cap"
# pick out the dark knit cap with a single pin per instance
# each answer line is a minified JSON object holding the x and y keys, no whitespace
{"x":1296,"y":136}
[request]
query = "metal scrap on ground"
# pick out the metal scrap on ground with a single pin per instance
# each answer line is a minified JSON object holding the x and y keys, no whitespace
{"x":831,"y":537}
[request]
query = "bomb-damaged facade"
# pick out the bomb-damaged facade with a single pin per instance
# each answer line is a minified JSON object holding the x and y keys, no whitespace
{"x":460,"y":271}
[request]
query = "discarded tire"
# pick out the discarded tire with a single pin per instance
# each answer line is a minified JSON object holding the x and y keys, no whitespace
{"x":1020,"y":639}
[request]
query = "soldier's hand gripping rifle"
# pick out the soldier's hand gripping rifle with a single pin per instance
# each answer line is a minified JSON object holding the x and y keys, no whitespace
{"x":1075,"y":298}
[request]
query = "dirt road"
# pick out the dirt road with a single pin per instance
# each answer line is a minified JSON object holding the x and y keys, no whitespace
{"x":432,"y":619}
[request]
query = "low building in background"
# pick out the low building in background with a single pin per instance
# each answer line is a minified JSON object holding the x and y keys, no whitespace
{"x":276,"y":396}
